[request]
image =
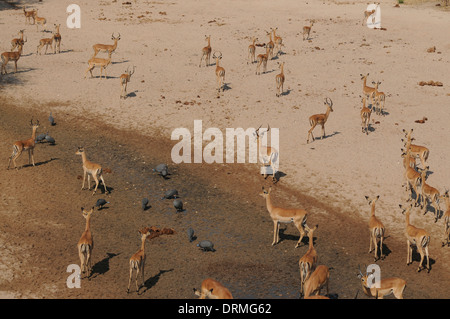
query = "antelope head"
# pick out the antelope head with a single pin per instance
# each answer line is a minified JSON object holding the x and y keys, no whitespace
{"x":329,"y":102}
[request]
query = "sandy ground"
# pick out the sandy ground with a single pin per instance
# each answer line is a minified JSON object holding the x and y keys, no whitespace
{"x":169,"y":90}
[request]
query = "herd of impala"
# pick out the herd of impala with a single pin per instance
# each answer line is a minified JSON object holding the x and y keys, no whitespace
{"x":313,"y":277}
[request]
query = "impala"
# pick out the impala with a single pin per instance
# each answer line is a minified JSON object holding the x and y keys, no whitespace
{"x":320,"y":119}
{"x":376,"y":229}
{"x":262,"y":59}
{"x":307,"y":30}
{"x":137,"y":261}
{"x":25,"y":145}
{"x":110,"y":48}
{"x":412,"y":179}
{"x":278,"y":41}
{"x":318,"y":279}
{"x":270,"y":45}
{"x":212,"y":289}
{"x":45,"y":42}
{"x":365,"y":117}
{"x":100,"y":63}
{"x":287,"y":216}
{"x":252,"y":51}
{"x":124,"y":79}
{"x":429,"y":193}
{"x":408,"y":159}
{"x":382,"y":288}
{"x":29,"y":15}
{"x":267,"y":155}
{"x":11,"y":56}
{"x":206,"y":52}
{"x":57,"y":37}
{"x":446,"y":218}
{"x":416,"y":150}
{"x":416,"y":237}
{"x":86,"y":243}
{"x":368,"y":91}
{"x":17,"y":41}
{"x":308,"y":262}
{"x":379,"y":97}
{"x":280,"y":80}
{"x":39,"y":20}
{"x":91,"y":169}
{"x":220,"y":73}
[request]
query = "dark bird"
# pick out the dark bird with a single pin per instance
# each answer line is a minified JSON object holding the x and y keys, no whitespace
{"x":51,"y":119}
{"x":172,"y":193}
{"x":144,"y":203}
{"x":41,"y":137}
{"x":162,"y":169}
{"x":178,"y":204}
{"x":191,"y":235}
{"x":206,"y":245}
{"x":100,"y":202}
{"x":50,"y":139}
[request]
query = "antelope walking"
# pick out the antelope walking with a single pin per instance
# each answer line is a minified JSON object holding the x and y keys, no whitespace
{"x":29,"y":15}
{"x":319,"y":278}
{"x":282,"y":215}
{"x":270,"y":45}
{"x":446,"y":218}
{"x":365,"y":117}
{"x":376,"y":230}
{"x":220,"y":73}
{"x":320,"y":119}
{"x":267,"y":155}
{"x":416,"y":237}
{"x":25,"y":145}
{"x":212,"y":289}
{"x":416,"y":150}
{"x":429,"y":193}
{"x":57,"y":37}
{"x":368,"y":91}
{"x":262,"y":59}
{"x":252,"y":51}
{"x":91,"y":169}
{"x":17,"y":41}
{"x":45,"y":42}
{"x":278,"y":41}
{"x":378,"y":97}
{"x":124,"y":79}
{"x":307,"y":30}
{"x":381,"y":288}
{"x":137,"y":261}
{"x":206,"y":52}
{"x":308,"y":262}
{"x":86,"y":243}
{"x":109,"y":48}
{"x":98,"y":62}
{"x":11,"y":56}
{"x":39,"y":20}
{"x":280,"y":80}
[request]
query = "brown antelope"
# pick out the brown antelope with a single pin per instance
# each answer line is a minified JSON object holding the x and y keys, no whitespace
{"x":416,"y":150}
{"x":206,"y":52}
{"x":11,"y":56}
{"x":39,"y":20}
{"x":446,"y":218}
{"x":318,"y":279}
{"x":137,"y":261}
{"x":282,"y":215}
{"x":57,"y":37}
{"x":376,"y":229}
{"x":91,"y":169}
{"x":86,"y":243}
{"x":124,"y":79}
{"x":252,"y":51}
{"x":212,"y":289}
{"x":45,"y":42}
{"x":379,"y":97}
{"x":308,"y":262}
{"x":368,"y":91}
{"x":429,"y":193}
{"x":365,"y":117}
{"x":220,"y":73}
{"x":307,"y":30}
{"x":110,"y":48}
{"x":382,"y":288}
{"x":29,"y":15}
{"x":267,"y":155}
{"x":280,"y":80}
{"x":270,"y":45}
{"x":100,"y":63}
{"x":412,"y":179}
{"x":278,"y":41}
{"x":15,"y":42}
{"x":25,"y":145}
{"x":408,"y":159}
{"x":416,"y":237}
{"x":320,"y":119}
{"x":262,"y":59}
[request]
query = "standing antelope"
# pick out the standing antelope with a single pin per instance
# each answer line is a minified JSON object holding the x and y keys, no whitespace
{"x":280,"y":80}
{"x":57,"y":37}
{"x":86,"y":243}
{"x":307,"y":30}
{"x":29,"y":15}
{"x":278,"y":41}
{"x":412,"y":179}
{"x":110,"y":48}
{"x":17,"y":41}
{"x":39,"y":20}
{"x":416,"y":237}
{"x":11,"y":56}
{"x":137,"y":261}
{"x":98,"y":62}
{"x":308,"y":262}
{"x":429,"y":193}
{"x":91,"y":169}
{"x":320,"y":119}
{"x":446,"y":218}
{"x":382,"y":288}
{"x":45,"y":42}
{"x":25,"y":145}
{"x":212,"y":289}
{"x":206,"y":52}
{"x":270,"y":45}
{"x":368,"y":92}
{"x":252,"y":51}
{"x":262,"y":59}
{"x":379,"y":97}
{"x":220,"y":73}
{"x":408,"y":159}
{"x":267,"y":155}
{"x":416,"y":150}
{"x":282,"y":215}
{"x":365,"y":117}
{"x":124,"y":79}
{"x":376,"y":229}
{"x":319,"y":278}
